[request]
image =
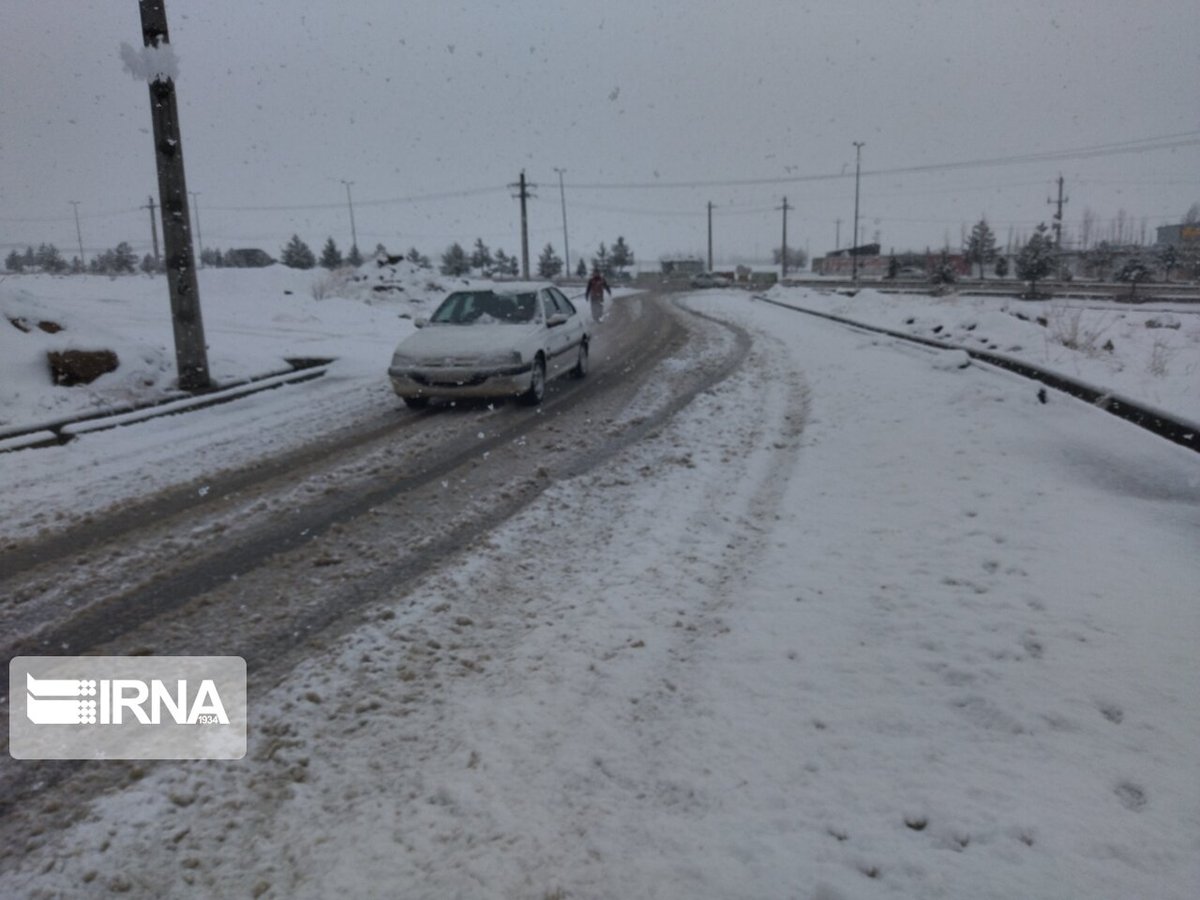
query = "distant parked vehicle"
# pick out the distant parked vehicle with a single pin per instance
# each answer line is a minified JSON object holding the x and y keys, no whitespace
{"x":709,"y":280}
{"x":248,"y":258}
{"x":494,"y":342}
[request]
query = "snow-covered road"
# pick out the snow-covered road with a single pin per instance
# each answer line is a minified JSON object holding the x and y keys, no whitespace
{"x":857,"y":623}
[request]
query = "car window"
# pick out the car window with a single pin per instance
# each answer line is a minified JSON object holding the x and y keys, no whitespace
{"x":523,"y":309}
{"x":548,"y":304}
{"x":563,"y":303}
{"x":485,"y":307}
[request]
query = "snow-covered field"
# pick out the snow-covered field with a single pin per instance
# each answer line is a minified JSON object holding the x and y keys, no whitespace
{"x":856,"y":624}
{"x":254,"y":320}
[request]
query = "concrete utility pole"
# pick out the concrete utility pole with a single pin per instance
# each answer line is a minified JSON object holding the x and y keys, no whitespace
{"x":350,"y":203}
{"x":837,"y":236}
{"x":191,"y":353}
{"x":154,"y":228}
{"x":562,"y":194}
{"x":1058,"y":215}
{"x":710,"y":259}
{"x":199,"y":236}
{"x":78,"y":233}
{"x":858,"y":145}
{"x":523,"y":194}
{"x":783,"y":260}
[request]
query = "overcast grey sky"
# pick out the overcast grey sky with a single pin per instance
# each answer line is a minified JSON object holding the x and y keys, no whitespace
{"x":653,"y":107}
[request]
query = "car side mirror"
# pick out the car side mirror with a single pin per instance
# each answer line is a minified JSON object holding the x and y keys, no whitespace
{"x":420,"y":323}
{"x":555,"y":320}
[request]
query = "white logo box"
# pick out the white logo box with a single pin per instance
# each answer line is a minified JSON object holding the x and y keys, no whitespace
{"x":127,"y":707}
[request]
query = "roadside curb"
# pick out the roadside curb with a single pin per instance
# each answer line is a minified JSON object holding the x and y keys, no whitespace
{"x":62,"y":431}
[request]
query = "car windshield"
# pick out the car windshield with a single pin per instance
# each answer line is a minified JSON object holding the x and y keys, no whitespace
{"x":486,"y":307}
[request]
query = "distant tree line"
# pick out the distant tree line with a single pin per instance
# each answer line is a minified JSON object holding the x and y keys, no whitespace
{"x":119,"y":260}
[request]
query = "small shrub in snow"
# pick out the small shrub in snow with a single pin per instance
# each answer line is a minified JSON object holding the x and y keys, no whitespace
{"x":1161,"y":355}
{"x":1067,"y":327}
{"x":332,"y":284}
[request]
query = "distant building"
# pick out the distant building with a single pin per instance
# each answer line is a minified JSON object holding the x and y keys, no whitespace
{"x":682,"y":267}
{"x":870,"y":263}
{"x":1178,"y":236}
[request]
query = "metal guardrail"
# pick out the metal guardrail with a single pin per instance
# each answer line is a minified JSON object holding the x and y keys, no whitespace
{"x":1163,"y":424}
{"x":56,"y":432}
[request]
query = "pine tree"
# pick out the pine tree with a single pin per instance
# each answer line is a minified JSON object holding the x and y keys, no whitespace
{"x":981,"y":246}
{"x":1036,"y":259}
{"x":549,"y":263}
{"x":602,"y":260}
{"x":481,"y":257}
{"x":1168,"y":258}
{"x":124,"y":259}
{"x":503,"y":264}
{"x":150,"y":265}
{"x":354,"y":258}
{"x":49,"y":259}
{"x":622,"y":256}
{"x":1002,"y":267}
{"x":331,"y":256}
{"x":797,"y":258}
{"x":14,"y":262}
{"x":455,"y":261}
{"x":297,"y":255}
{"x":1134,"y":271}
{"x":581,"y":269}
{"x":418,"y":259}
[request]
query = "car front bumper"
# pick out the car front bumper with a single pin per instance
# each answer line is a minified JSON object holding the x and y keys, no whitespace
{"x":461,"y":381}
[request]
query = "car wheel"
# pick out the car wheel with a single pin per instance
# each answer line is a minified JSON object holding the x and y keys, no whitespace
{"x":416,"y":402}
{"x":581,"y":367}
{"x":537,"y":384}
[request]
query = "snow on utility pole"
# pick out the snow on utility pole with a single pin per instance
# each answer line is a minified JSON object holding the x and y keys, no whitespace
{"x":523,"y":194}
{"x":153,"y":228}
{"x":158,"y":65}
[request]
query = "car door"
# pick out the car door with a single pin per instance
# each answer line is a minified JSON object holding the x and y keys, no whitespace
{"x":573,"y":331}
{"x":558,"y":338}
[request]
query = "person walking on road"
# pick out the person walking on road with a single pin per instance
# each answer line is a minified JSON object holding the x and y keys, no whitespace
{"x":596,"y":287}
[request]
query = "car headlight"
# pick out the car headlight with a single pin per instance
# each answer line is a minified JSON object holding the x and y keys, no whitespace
{"x":401,"y":361}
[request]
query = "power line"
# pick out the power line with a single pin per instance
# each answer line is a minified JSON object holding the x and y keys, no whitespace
{"x":1143,"y":145}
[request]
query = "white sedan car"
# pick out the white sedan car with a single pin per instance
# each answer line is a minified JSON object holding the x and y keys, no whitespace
{"x":502,"y":341}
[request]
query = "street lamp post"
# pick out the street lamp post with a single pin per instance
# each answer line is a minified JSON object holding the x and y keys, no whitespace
{"x":199,"y":237}
{"x":566,"y":246}
{"x":350,"y":203}
{"x":858,"y":145}
{"x":79,"y":234}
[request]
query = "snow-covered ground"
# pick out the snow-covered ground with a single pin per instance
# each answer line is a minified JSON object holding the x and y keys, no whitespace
{"x":255,"y":320}
{"x":1149,"y":353}
{"x":856,"y":624}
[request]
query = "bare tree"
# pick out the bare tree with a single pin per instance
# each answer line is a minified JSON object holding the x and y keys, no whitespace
{"x":1086,"y":224}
